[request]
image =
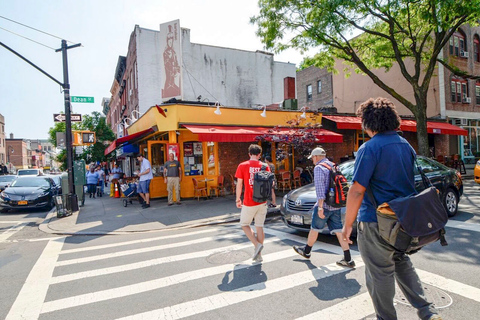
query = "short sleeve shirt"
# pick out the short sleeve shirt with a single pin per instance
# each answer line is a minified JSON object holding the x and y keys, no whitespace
{"x":245,"y":171}
{"x":385,"y":165}
{"x":116,"y":173}
{"x":172,"y":168}
{"x":143,"y":167}
{"x":92,"y":178}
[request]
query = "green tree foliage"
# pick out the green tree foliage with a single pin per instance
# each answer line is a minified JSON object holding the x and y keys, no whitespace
{"x":97,"y":123}
{"x":390,"y":32}
{"x":94,"y":122}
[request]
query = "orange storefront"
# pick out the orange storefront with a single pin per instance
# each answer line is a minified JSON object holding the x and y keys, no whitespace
{"x":193,"y":132}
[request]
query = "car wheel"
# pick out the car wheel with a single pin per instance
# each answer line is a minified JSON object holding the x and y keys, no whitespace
{"x":450,"y":202}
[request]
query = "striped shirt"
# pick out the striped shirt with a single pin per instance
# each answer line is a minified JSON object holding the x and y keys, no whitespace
{"x":322,"y":180}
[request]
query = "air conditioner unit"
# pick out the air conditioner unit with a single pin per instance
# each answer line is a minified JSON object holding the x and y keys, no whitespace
{"x":468,"y":99}
{"x":464,"y":54}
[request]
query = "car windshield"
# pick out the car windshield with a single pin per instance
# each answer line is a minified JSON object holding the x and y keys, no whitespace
{"x":27,"y":172}
{"x":6,"y":178}
{"x":347,"y":170}
{"x":30,"y":182}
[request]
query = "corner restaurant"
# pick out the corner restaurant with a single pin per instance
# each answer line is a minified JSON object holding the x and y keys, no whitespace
{"x":208,"y":141}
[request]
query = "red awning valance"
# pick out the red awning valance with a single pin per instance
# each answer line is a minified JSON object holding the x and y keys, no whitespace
{"x":127,"y":139}
{"x":433,"y":127}
{"x":248,"y":134}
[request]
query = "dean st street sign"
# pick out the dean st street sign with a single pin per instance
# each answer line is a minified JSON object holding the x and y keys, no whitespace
{"x":82,"y":99}
{"x":60,"y":117}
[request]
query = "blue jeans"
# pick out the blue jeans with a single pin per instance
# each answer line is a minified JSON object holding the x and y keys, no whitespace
{"x":333,"y":219}
{"x":384,"y":265}
{"x":144,"y":186}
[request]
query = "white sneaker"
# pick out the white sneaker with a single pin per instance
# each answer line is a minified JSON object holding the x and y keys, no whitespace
{"x":257,"y":251}
{"x":259,"y":258}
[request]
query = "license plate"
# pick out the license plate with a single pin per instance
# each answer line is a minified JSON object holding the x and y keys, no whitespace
{"x":296,"y":219}
{"x":22,"y":203}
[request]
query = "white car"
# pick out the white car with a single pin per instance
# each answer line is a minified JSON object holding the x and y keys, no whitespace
{"x":30,"y":172}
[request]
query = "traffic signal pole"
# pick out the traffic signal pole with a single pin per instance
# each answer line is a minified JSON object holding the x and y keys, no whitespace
{"x":68,"y":124}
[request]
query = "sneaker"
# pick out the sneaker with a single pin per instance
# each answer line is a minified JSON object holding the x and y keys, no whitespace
{"x":179,"y":203}
{"x":258,"y":249}
{"x":271,"y":205}
{"x":146,"y":206}
{"x":170,"y":204}
{"x":435,"y":317}
{"x":259,"y":258}
{"x":344,"y":263}
{"x":301,"y":251}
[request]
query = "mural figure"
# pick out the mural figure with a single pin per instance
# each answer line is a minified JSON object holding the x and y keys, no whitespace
{"x":172,"y":69}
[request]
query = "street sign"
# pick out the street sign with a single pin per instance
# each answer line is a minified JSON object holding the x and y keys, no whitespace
{"x":60,"y":117}
{"x":82,"y":99}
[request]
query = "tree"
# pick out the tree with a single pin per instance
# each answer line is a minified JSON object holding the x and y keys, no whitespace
{"x":391,"y":31}
{"x":97,"y":123}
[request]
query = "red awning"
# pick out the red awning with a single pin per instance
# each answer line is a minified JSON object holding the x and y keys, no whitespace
{"x":130,"y":139}
{"x":355,"y":123}
{"x":248,"y":134}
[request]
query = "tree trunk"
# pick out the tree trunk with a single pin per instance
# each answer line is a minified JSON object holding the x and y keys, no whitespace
{"x":421,"y":117}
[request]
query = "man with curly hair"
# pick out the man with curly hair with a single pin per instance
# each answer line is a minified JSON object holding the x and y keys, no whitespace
{"x":384,"y":164}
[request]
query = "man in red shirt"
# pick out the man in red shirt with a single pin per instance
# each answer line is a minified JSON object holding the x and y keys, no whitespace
{"x":250,"y":209}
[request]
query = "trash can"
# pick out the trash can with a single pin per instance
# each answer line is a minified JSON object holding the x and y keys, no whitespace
{"x":62,"y":205}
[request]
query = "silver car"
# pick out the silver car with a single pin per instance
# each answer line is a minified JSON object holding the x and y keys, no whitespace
{"x":297,"y":206}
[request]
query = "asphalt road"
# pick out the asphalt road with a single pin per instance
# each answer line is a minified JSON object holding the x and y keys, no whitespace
{"x":207,"y":273}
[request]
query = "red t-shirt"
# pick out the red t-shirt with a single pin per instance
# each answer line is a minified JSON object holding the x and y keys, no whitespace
{"x":246,"y":170}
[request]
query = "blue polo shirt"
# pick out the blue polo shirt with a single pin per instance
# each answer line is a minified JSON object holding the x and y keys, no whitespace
{"x":385,"y":164}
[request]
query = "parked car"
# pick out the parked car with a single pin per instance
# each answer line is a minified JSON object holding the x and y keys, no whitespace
{"x":27,"y":192}
{"x":5,"y":181}
{"x":476,"y":172}
{"x":29,"y":172}
{"x":297,"y":206}
{"x":57,"y":179}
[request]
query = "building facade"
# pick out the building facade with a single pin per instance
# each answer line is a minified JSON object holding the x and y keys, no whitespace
{"x":3,"y":150}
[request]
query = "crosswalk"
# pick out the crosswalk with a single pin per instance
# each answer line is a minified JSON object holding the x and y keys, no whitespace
{"x":202,"y":273}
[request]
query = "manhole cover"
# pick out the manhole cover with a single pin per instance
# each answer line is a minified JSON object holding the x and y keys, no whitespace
{"x":439,"y":298}
{"x":232,"y":256}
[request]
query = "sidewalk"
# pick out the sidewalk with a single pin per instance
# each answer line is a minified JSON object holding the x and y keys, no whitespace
{"x":106,"y":215}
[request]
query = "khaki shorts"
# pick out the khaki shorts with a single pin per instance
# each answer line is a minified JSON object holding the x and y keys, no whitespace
{"x":259,"y":213}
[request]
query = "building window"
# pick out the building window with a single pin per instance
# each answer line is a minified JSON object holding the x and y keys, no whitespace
{"x":309,"y":92}
{"x":193,"y":158}
{"x":476,"y":48}
{"x":458,"y":45}
{"x":477,"y":93}
{"x":459,"y":91}
{"x":319,"y":86}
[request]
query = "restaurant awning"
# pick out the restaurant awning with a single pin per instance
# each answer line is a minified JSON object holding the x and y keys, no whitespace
{"x":355,"y":123}
{"x":248,"y":134}
{"x":127,"y":139}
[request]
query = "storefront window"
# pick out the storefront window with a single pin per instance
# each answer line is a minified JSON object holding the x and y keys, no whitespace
{"x":158,"y":159}
{"x":211,"y":158}
{"x":193,"y":158}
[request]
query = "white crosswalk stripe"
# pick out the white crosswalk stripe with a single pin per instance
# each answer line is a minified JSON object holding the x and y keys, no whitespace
{"x":100,"y":262}
{"x":12,"y":230}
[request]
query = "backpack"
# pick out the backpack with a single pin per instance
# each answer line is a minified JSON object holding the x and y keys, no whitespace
{"x":262,"y":185}
{"x":337,"y":188}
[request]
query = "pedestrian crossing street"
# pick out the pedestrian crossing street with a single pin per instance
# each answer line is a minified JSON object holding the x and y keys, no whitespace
{"x":201,"y":273}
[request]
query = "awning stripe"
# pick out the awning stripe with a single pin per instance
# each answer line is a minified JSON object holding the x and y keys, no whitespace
{"x":248,"y":134}
{"x":355,"y":123}
{"x":127,"y":139}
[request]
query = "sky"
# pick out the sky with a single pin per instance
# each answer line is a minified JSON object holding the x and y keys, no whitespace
{"x":28,"y":99}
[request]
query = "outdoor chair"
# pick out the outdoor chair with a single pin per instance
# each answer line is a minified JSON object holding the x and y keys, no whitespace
{"x":199,"y":191}
{"x":285,"y":181}
{"x":297,"y":182}
{"x":220,"y":188}
{"x":458,"y":164}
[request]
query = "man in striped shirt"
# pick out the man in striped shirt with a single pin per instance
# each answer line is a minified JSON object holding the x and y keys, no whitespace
{"x":323,"y":213}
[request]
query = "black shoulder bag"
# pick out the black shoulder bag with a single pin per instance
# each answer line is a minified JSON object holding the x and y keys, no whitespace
{"x":417,"y":220}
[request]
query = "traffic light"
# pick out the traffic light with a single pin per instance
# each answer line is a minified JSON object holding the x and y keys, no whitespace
{"x":83,"y":138}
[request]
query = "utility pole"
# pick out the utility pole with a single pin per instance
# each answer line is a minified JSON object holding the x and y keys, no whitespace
{"x":68,"y":120}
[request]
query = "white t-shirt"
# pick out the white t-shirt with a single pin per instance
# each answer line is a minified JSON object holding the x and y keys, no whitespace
{"x":143,"y":167}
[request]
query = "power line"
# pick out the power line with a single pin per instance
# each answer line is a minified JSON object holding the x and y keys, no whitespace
{"x":24,"y":25}
{"x":28,"y":38}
